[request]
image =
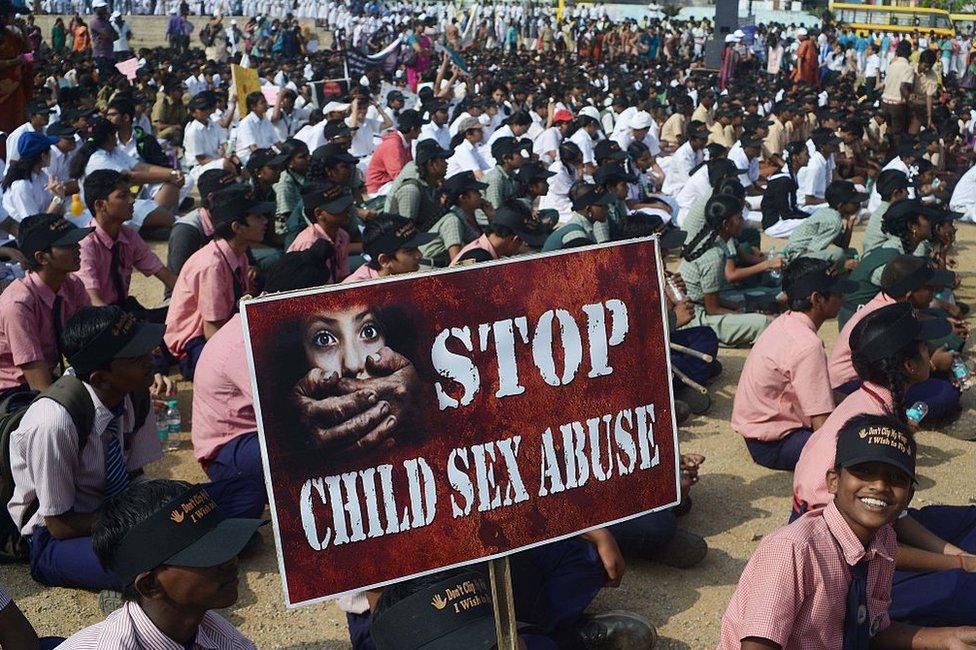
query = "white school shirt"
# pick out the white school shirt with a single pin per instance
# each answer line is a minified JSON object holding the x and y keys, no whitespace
{"x":814,"y":182}
{"x":27,"y":196}
{"x":254,"y":130}
{"x":548,"y":140}
{"x":14,"y":138}
{"x":557,"y":198}
{"x":964,"y":195}
{"x":738,"y":155}
{"x":201,"y":140}
{"x":58,"y":167}
{"x":683,"y":160}
{"x":583,"y":140}
{"x":466,"y":159}
{"x":363,"y":141}
{"x":895,"y":163}
{"x":441,"y":134}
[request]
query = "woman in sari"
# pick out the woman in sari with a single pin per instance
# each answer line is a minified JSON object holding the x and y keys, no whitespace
{"x":82,"y":37}
{"x":807,"y":64}
{"x":16,"y":71}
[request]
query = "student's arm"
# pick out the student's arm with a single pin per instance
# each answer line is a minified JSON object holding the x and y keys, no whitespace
{"x":715,"y":306}
{"x":817,"y":421}
{"x":609,"y":552}
{"x":901,"y":635}
{"x":71,"y":524}
{"x":96,"y":298}
{"x":165,"y":276}
{"x":228,"y":117}
{"x":738,"y":274}
{"x":16,"y":632}
{"x":210,"y":328}
{"x":387,"y":121}
{"x":146,"y":173}
{"x":37,"y":375}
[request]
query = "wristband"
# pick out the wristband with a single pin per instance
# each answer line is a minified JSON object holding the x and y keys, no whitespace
{"x":57,"y":200}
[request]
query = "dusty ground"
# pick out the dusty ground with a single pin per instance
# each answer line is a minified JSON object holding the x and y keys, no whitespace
{"x":735,"y":504}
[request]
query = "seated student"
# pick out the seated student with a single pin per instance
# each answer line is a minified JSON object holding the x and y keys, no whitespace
{"x":781,"y":214}
{"x":174,"y":573}
{"x":500,"y":184}
{"x":215,"y":278}
{"x":109,"y":256}
{"x":69,"y":479}
{"x":590,"y":208}
{"x":784,"y":392}
{"x":16,"y":632}
{"x":195,"y":229}
{"x":512,"y":227}
{"x":224,"y":432}
{"x":533,"y":180}
{"x":908,"y":226}
{"x":327,"y":207}
{"x":826,"y":234}
{"x":26,"y":187}
{"x":393,"y":245}
{"x":912,"y":280}
{"x":722,"y":179}
{"x":825,"y":581}
{"x":708,"y":269}
{"x":413,"y":193}
{"x":460,"y":225}
{"x":33,"y":309}
{"x":892,"y":186}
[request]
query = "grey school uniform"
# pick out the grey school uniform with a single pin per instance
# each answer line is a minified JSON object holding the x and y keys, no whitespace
{"x":453,"y":229}
{"x":706,"y":274}
{"x":815,"y":238}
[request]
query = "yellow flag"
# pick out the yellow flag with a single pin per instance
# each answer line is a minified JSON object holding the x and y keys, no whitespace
{"x":246,"y":81}
{"x":560,"y":8}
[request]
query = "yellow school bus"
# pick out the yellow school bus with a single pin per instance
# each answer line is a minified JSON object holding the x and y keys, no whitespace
{"x":864,"y":18}
{"x":964,"y":23}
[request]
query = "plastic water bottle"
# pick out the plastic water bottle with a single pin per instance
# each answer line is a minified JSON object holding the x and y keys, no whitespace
{"x":675,"y":291}
{"x":917,"y":412}
{"x":77,"y":207}
{"x":962,"y":373}
{"x":774,"y":274}
{"x":162,"y":427}
{"x":174,"y":424}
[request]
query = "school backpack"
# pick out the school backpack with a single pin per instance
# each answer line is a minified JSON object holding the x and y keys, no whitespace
{"x":149,"y":149}
{"x":69,"y":392}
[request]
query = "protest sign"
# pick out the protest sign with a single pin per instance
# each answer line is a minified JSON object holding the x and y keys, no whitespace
{"x":128,"y":68}
{"x":271,"y":94}
{"x":325,"y":91}
{"x":508,"y":404}
{"x":245,"y":81}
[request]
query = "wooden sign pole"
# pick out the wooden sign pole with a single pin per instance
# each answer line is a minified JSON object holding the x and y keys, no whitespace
{"x":504,"y":603}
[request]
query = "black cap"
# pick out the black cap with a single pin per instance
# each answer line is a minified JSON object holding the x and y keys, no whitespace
{"x":336,"y":129}
{"x":821,"y":279}
{"x":270,"y":157}
{"x":462,"y":182}
{"x":528,"y":228}
{"x":889,"y":181}
{"x":531,"y":172}
{"x":39,"y":232}
{"x":839,"y":192}
{"x":123,"y":337}
{"x":331,"y":197}
{"x":454,"y":613}
{"x":394,"y":95}
{"x":595,"y":196}
{"x":212,"y":181}
{"x":823,"y":137}
{"x":937,"y":214}
{"x":202,"y":100}
{"x":410,"y":119}
{"x":77,"y":113}
{"x":61,"y":130}
{"x":38,"y":108}
{"x":428,"y":150}
{"x":608,"y":149}
{"x":331,"y":155}
{"x":401,"y":233}
{"x":505,"y":146}
{"x":909,"y":150}
{"x":236,"y":202}
{"x":887,"y":330}
{"x":906,"y":273}
{"x":896,"y":216}
{"x":189,"y":531}
{"x":750,"y":140}
{"x":612,"y":173}
{"x":519,"y":118}
{"x":876,"y":440}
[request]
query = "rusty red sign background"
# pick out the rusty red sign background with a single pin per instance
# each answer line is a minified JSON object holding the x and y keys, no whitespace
{"x":530,"y":398}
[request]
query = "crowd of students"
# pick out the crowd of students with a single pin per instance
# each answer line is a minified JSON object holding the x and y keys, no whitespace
{"x":754,"y":180}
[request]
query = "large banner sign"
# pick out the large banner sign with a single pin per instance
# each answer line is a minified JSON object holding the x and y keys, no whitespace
{"x":433,"y":420}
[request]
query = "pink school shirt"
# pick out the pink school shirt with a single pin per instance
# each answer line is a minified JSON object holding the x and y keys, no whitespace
{"x":839,"y":365}
{"x":315,"y":232}
{"x":27,"y":323}
{"x":794,"y":589}
{"x":482,"y":243}
{"x":204,"y":291}
{"x":96,"y":260}
{"x":809,"y":477}
{"x":387,"y":161}
{"x":784,"y":382}
{"x":364,"y":272}
{"x":222,"y":405}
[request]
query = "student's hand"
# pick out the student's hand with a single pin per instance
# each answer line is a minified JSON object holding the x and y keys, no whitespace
{"x":959,"y":327}
{"x":774,"y":263}
{"x":162,"y":387}
{"x":851,"y":264}
{"x":395,"y":382}
{"x":339,"y":419}
{"x":961,"y":638}
{"x":610,"y":555}
{"x":684,"y":311}
{"x":678,"y":280}
{"x":941,"y":360}
{"x":13,"y":255}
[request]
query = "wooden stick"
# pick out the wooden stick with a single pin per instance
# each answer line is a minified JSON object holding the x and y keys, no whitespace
{"x":500,"y":574}
{"x":677,"y":347}
{"x":688,"y":381}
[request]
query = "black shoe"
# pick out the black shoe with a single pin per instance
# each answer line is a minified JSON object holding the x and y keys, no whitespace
{"x":698,"y":403}
{"x":681,"y":411}
{"x":616,"y":630}
{"x":684,"y":551}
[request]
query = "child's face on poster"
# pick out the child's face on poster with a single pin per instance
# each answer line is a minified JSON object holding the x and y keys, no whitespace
{"x":340,"y":342}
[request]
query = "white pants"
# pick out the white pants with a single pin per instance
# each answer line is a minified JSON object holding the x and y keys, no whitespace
{"x":783,"y":228}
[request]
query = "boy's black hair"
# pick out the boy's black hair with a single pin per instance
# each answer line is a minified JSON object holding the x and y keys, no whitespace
{"x":125,"y":510}
{"x":303,"y":269}
{"x":796,"y":270}
{"x":252,"y":99}
{"x":99,"y":184}
{"x":124,"y":105}
{"x":83,"y":326}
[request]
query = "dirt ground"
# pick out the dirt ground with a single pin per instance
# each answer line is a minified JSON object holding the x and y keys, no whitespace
{"x":735,"y":504}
